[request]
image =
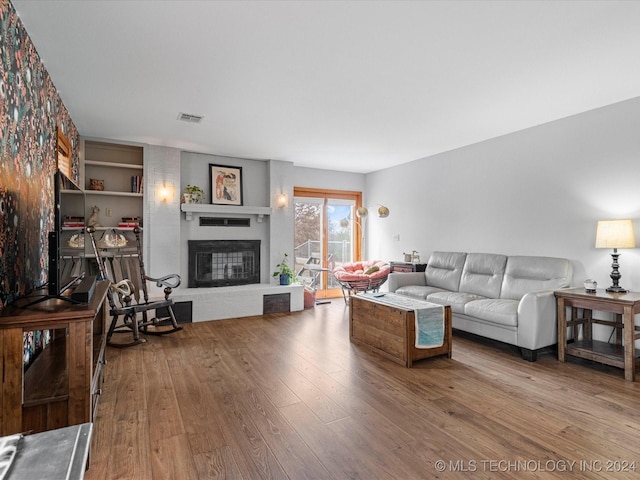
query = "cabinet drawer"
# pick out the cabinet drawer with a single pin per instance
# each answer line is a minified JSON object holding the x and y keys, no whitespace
{"x":402,"y":268}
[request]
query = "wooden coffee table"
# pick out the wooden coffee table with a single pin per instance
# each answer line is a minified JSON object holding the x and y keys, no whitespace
{"x":389,"y":330}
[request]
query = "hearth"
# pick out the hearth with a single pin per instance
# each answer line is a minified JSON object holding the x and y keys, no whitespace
{"x":220,"y":263}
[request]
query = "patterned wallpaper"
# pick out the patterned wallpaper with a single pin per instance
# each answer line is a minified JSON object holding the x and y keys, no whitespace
{"x":30,"y":110}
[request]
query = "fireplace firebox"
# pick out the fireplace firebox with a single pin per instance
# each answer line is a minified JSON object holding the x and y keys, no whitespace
{"x":221,"y":263}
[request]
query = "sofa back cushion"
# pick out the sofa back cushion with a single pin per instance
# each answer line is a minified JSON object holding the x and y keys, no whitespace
{"x":531,"y":274}
{"x":444,"y":270}
{"x":483,"y":274}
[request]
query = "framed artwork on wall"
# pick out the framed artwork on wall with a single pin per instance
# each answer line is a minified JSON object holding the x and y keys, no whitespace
{"x":225,"y":184}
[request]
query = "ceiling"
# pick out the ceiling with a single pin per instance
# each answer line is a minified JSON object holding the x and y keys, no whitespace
{"x":353,"y":86}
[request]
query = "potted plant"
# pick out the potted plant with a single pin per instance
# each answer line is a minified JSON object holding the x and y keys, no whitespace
{"x":284,"y":271}
{"x":193,"y":194}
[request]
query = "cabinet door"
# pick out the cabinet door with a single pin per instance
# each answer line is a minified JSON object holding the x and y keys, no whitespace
{"x":11,"y":392}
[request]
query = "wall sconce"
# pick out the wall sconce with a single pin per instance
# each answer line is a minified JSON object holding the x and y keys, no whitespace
{"x":282,"y":200}
{"x":615,"y":234}
{"x":165,"y":193}
{"x":383,"y":212}
{"x":362,"y":212}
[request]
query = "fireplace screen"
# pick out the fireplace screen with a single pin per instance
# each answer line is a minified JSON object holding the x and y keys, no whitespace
{"x":219,"y":263}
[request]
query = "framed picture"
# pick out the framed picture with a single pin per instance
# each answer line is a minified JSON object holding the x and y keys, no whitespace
{"x":225,"y":184}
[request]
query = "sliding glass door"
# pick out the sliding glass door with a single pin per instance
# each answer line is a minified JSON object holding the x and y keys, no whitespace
{"x":325,"y":236}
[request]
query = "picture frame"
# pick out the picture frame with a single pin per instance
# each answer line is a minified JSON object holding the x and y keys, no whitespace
{"x":225,"y":184}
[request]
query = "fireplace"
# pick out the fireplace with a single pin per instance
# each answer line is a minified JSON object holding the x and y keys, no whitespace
{"x":221,"y":263}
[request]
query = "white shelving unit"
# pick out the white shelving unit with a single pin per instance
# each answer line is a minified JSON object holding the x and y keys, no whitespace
{"x":116,"y":164}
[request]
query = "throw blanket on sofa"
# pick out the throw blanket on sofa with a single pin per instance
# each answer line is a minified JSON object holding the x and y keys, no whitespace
{"x":429,"y":317}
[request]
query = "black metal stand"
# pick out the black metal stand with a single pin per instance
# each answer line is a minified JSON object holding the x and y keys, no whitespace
{"x":615,"y":274}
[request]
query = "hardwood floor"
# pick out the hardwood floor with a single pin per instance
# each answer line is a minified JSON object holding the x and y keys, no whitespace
{"x":288,"y":396}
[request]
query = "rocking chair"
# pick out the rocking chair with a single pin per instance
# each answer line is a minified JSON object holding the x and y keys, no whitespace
{"x":125,"y":270}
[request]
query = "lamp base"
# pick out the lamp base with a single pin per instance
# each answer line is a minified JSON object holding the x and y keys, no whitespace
{"x":616,"y":289}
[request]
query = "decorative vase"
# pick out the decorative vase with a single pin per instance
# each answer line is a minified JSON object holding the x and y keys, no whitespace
{"x":285,"y":279}
{"x":187,"y":198}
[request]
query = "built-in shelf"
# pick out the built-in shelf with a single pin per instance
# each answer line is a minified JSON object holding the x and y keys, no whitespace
{"x":114,"y":165}
{"x":112,"y":193}
{"x":197,"y":208}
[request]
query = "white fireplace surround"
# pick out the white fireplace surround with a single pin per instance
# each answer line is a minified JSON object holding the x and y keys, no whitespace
{"x":167,"y":228}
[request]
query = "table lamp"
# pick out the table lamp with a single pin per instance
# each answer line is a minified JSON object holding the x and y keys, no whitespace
{"x":615,"y":234}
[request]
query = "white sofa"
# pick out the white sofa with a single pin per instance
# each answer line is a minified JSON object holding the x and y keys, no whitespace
{"x":509,"y":299}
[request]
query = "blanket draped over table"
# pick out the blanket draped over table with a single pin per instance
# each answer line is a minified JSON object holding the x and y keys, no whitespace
{"x":429,"y":317}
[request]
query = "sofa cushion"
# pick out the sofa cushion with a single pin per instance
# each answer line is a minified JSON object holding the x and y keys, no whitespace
{"x":531,"y":274}
{"x":417,"y":291}
{"x":483,"y":274}
{"x":457,"y":300}
{"x":500,"y":311}
{"x":444,"y":270}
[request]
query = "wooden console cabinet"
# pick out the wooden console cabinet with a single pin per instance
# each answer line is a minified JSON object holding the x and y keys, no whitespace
{"x":62,"y":385}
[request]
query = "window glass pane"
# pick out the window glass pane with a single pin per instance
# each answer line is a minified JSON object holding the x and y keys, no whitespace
{"x":307,"y":231}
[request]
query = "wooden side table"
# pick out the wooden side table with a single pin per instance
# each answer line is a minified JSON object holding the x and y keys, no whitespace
{"x":625,"y":306}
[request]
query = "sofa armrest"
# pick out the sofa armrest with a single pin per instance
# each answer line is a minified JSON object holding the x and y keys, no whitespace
{"x":537,"y":320}
{"x":397,"y":280}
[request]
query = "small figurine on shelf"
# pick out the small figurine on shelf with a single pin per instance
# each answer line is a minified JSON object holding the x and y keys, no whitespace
{"x":94,"y":221}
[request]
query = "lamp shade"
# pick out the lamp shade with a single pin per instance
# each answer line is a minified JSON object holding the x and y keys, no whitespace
{"x":615,"y":234}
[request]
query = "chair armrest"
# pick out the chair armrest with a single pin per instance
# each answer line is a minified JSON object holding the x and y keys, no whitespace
{"x":397,"y":280}
{"x":171,"y":281}
{"x":537,"y":320}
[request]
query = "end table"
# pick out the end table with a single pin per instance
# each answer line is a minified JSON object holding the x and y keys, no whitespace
{"x":625,"y":306}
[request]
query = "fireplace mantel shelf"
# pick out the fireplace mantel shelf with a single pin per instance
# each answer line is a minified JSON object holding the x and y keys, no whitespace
{"x":190,"y":208}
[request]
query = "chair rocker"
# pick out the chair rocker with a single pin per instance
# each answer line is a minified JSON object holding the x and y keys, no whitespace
{"x":130,"y":312}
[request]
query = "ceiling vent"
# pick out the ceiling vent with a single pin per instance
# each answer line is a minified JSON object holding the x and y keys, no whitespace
{"x":187,"y":117}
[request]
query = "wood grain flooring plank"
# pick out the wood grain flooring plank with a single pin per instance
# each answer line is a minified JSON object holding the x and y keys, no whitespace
{"x":263,"y":377}
{"x":131,"y":450}
{"x":317,"y":400}
{"x":162,"y":405}
{"x":336,"y":452}
{"x":373,"y":450}
{"x":381,"y":422}
{"x":172,"y":458}
{"x":251,"y":453}
{"x":197,"y":408}
{"x":218,"y":464}
{"x":295,"y":457}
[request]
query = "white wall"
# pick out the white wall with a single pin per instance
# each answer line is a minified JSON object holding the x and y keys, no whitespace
{"x":161,"y":216}
{"x":535,"y":192}
{"x":328,"y":179}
